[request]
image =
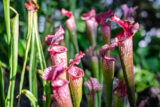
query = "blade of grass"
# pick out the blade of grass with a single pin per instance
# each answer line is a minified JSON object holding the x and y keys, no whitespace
{"x":30,"y":19}
{"x":31,"y":97}
{"x":2,"y":95}
{"x":32,"y":69}
{"x":14,"y":52}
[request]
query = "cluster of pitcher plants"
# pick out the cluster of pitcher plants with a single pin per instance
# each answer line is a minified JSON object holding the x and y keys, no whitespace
{"x":65,"y":81}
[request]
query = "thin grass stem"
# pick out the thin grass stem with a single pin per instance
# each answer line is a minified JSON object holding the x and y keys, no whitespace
{"x":30,"y":19}
{"x":2,"y":95}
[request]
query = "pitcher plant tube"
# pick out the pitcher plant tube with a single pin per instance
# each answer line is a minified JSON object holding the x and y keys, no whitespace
{"x":105,"y":28}
{"x":108,"y":66}
{"x":91,"y":26}
{"x":59,"y":86}
{"x":125,"y":46}
{"x":75,"y":75}
{"x":71,"y":27}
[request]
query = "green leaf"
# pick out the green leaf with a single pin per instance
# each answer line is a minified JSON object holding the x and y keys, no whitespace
{"x":144,"y":79}
{"x":31,"y":97}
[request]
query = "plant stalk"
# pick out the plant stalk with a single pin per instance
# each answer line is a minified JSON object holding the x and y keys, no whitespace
{"x":14,"y":60}
{"x":95,"y":70}
{"x":47,"y":87}
{"x":33,"y":66}
{"x":30,"y":21}
{"x":2,"y":95}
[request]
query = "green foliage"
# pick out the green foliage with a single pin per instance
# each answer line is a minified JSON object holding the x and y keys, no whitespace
{"x":144,"y":79}
{"x":31,"y":97}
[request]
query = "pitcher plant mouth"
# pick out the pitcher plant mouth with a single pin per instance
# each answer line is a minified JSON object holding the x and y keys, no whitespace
{"x":57,"y":49}
{"x":59,"y":86}
{"x":129,"y":29}
{"x":105,"y":28}
{"x":75,"y":75}
{"x":102,"y":17}
{"x":89,"y":15}
{"x":91,"y":26}
{"x":128,"y":12}
{"x":58,"y":53}
{"x":70,"y":22}
{"x":56,"y":74}
{"x":75,"y":72}
{"x":31,"y":6}
{"x":56,"y":38}
{"x":59,"y":83}
{"x":53,"y":72}
{"x":93,"y":85}
{"x":77,"y":59}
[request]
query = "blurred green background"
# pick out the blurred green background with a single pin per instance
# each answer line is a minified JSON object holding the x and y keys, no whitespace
{"x":146,"y":41}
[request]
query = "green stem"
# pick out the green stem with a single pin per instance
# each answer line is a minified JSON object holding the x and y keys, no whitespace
{"x":95,"y":66}
{"x":100,"y":81}
{"x":33,"y":64}
{"x":73,"y":38}
{"x":14,"y":52}
{"x":68,"y":46}
{"x":90,"y":100}
{"x":95,"y":70}
{"x":6,"y":5}
{"x":2,"y":95}
{"x":72,"y":5}
{"x":42,"y":62}
{"x":30,"y":19}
